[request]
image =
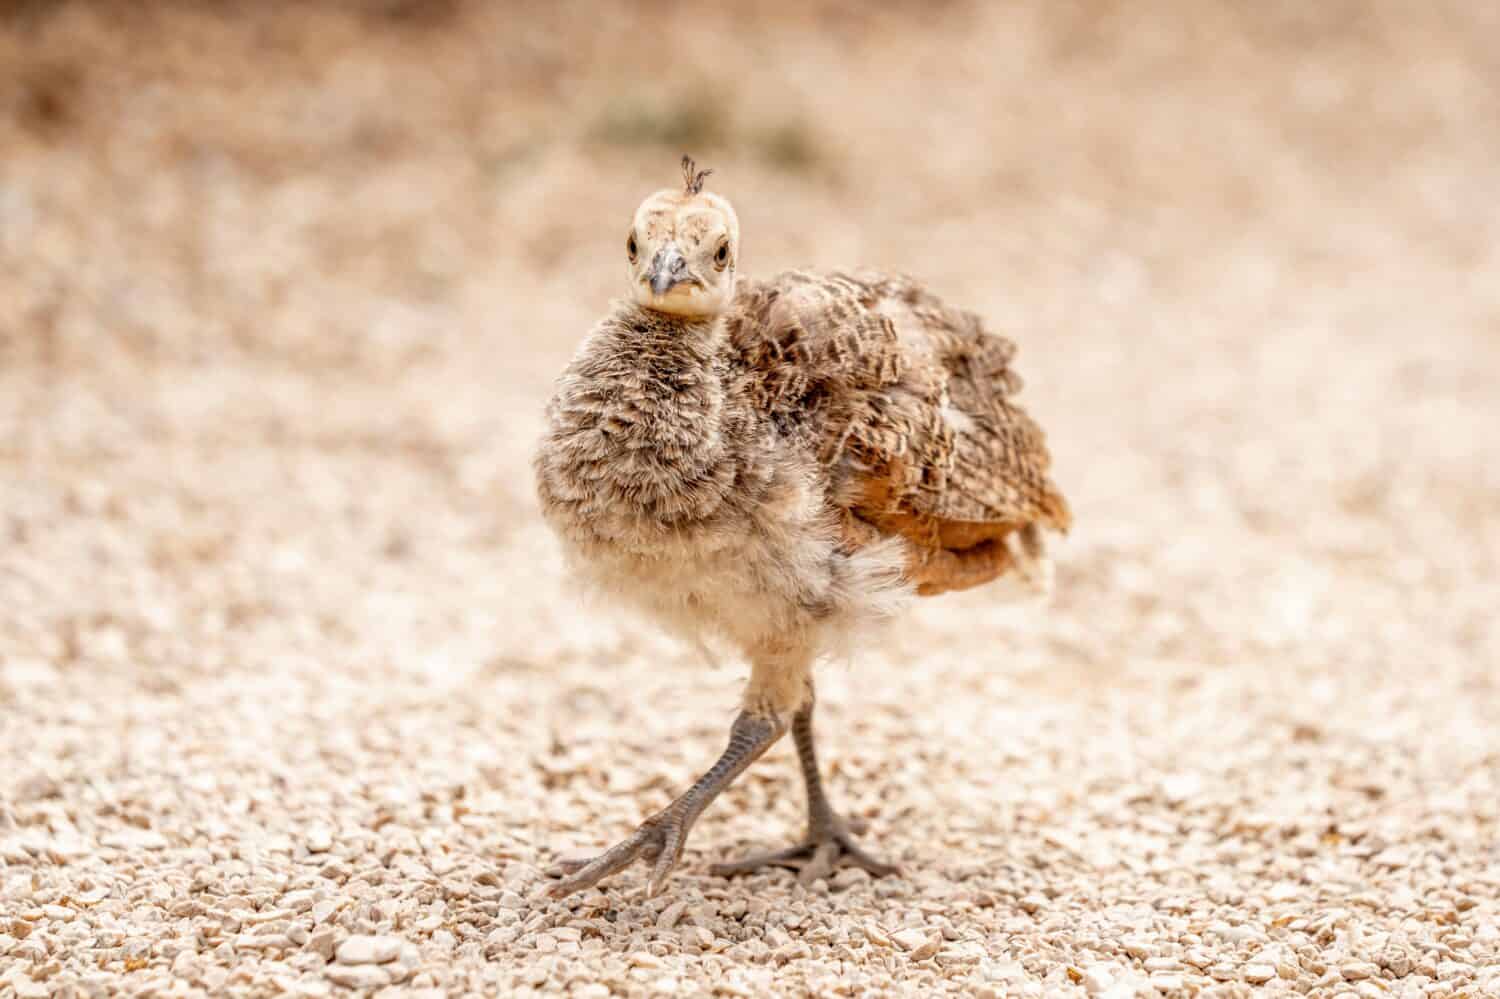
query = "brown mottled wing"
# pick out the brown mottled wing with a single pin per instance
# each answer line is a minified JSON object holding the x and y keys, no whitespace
{"x":909,"y":401}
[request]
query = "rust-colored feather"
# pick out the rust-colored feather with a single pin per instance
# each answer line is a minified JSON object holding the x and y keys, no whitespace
{"x":910,"y":405}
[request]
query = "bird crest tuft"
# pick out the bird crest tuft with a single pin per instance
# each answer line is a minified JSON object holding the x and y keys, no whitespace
{"x":692,"y":177}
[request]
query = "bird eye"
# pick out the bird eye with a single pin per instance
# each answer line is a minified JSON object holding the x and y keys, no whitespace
{"x":722,"y":256}
{"x":631,"y":248}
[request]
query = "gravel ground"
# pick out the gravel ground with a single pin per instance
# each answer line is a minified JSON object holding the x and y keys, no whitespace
{"x":294,"y":697}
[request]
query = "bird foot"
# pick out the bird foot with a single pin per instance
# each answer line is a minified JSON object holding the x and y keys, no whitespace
{"x":820,"y":854}
{"x":658,"y":841}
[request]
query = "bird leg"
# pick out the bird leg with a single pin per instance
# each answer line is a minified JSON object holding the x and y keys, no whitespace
{"x":660,"y":839}
{"x":830,"y":838}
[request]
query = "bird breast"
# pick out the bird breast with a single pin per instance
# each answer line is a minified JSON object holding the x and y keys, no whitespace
{"x":643,"y":445}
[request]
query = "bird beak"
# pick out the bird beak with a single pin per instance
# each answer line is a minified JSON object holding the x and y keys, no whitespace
{"x":668,"y":269}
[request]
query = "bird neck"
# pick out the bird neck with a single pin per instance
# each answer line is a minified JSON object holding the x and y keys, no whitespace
{"x":676,"y":338}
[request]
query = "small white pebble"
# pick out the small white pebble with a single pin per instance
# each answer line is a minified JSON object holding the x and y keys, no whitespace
{"x":369,"y":950}
{"x":670,"y":915}
{"x":911,"y":938}
{"x":499,"y":939}
{"x":358,"y":976}
{"x":265,"y":941}
{"x":26,"y":988}
{"x":1097,"y":978}
{"x":298,"y":901}
{"x":321,"y":942}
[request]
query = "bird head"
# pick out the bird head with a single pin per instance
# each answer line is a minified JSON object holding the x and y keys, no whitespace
{"x":682,"y":247}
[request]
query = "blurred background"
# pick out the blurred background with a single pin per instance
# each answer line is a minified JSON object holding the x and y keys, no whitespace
{"x":307,"y":269}
{"x":283,"y":287}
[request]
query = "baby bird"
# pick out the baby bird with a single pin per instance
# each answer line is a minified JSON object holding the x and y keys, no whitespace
{"x":774,"y":464}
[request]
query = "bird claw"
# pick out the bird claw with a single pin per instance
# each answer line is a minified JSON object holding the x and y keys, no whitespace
{"x":817,"y":856}
{"x":565,"y":866}
{"x":659,"y":841}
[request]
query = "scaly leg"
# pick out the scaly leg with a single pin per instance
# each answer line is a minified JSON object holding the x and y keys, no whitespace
{"x":660,"y":839}
{"x":830,"y":838}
